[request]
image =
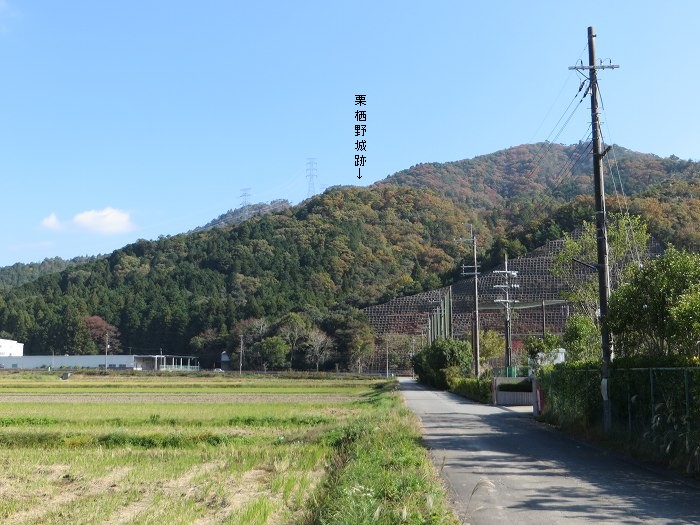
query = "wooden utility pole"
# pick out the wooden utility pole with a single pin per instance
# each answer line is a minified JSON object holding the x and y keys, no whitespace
{"x":240,"y":359}
{"x":600,"y":221}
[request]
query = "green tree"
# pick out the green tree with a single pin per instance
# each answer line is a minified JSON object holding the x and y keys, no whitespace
{"x":361,"y":347}
{"x":293,"y":328}
{"x":272,"y":352}
{"x":627,"y":236}
{"x":443,"y":358}
{"x":208,"y":346}
{"x":652,"y":314}
{"x":492,"y":345}
{"x":70,"y":334}
{"x":541,"y":350}
{"x":686,"y":317}
{"x":581,"y":339}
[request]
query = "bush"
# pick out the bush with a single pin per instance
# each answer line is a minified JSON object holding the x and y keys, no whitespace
{"x":572,"y":394}
{"x":474,"y":389}
{"x":445,"y":358}
{"x":521,"y":386}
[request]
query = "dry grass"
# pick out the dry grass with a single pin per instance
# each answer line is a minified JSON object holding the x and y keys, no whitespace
{"x":123,"y":456}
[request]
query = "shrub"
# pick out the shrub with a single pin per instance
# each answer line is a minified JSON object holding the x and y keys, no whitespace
{"x":521,"y":386}
{"x":572,"y":394}
{"x":445,"y":358}
{"x":474,"y":389}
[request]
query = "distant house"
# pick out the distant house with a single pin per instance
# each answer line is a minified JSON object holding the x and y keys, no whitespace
{"x":11,"y":348}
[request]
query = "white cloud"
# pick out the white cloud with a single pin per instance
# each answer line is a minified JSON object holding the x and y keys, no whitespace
{"x":108,"y":221}
{"x":51,"y":222}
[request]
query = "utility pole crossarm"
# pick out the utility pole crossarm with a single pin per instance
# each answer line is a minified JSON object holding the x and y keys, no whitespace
{"x":601,"y":66}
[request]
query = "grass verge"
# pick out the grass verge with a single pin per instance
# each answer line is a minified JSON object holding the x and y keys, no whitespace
{"x":382,"y":474}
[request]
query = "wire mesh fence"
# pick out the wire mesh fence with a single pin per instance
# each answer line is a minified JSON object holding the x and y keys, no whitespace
{"x":657,"y":409}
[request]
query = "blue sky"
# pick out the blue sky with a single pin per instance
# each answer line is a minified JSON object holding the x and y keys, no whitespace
{"x":134,"y":119}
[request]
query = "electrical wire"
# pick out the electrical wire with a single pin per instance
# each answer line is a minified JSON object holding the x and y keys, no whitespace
{"x":621,"y":197}
{"x":548,"y":144}
{"x":561,"y":90}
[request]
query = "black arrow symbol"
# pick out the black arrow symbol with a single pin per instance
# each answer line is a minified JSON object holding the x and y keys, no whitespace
{"x":359,"y":176}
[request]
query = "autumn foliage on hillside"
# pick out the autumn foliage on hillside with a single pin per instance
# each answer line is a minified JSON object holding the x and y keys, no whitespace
{"x":338,"y":252}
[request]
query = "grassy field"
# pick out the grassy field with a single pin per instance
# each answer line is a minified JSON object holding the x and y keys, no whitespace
{"x":211,"y":450}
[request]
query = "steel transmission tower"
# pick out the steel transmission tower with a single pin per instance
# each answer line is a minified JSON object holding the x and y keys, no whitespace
{"x":245,"y":193}
{"x":311,"y":175}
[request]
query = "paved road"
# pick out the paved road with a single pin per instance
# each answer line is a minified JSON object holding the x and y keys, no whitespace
{"x":504,"y":467}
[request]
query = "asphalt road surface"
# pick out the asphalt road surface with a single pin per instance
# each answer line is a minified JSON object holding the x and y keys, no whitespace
{"x":501,"y":466}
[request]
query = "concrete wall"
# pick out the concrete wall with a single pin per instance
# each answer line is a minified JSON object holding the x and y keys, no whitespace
{"x":510,"y":398}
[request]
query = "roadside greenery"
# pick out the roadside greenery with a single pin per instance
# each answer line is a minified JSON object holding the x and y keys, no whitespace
{"x":473,"y":388}
{"x":627,"y":238}
{"x":654,"y":405}
{"x":656,"y":311}
{"x":541,"y":350}
{"x":381,"y":476}
{"x":443,"y":361}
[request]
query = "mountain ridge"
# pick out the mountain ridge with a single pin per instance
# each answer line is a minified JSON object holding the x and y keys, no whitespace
{"x":335,"y":253}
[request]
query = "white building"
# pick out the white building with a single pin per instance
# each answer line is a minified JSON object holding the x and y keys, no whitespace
{"x":11,"y":348}
{"x":172,"y":363}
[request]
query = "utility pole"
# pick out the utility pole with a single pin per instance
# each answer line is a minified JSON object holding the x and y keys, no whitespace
{"x":508,"y":275}
{"x":413,"y":352}
{"x":600,"y":222}
{"x":544,"y":320}
{"x":387,"y":355}
{"x":106,"y":348}
{"x":240,"y":359}
{"x":475,"y":324}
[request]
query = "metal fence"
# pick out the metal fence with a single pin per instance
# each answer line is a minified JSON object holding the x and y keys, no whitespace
{"x":658,"y":409}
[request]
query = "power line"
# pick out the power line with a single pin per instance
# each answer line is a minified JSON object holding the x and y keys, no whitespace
{"x":548,"y":144}
{"x":561,"y":90}
{"x":614,"y":169}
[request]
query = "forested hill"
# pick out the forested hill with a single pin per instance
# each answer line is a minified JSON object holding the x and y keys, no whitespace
{"x":337,"y":252}
{"x":560,"y":171}
{"x":20,"y":273}
{"x":348,"y":247}
{"x":529,"y":194}
{"x":245,"y":212}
